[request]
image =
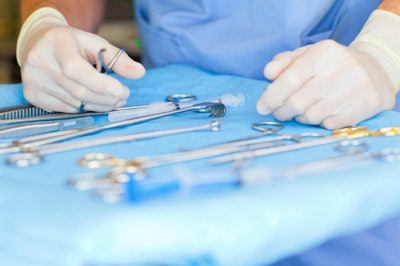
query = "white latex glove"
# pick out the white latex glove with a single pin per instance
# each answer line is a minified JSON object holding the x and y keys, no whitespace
{"x":57,"y":66}
{"x":332,"y":85}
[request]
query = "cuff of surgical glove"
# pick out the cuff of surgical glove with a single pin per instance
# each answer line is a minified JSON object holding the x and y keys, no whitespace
{"x":378,"y":38}
{"x":389,"y":61}
{"x":38,"y":20}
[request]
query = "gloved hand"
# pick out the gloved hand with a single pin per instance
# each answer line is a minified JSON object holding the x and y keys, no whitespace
{"x":57,"y":66}
{"x":332,"y":85}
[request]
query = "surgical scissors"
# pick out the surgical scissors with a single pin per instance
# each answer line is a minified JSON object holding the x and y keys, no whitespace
{"x":336,"y":136}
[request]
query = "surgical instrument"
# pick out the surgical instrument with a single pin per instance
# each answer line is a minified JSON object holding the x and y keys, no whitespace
{"x":101,"y":66}
{"x":138,"y":188}
{"x":131,"y":183}
{"x":23,"y":130}
{"x":353,"y":153}
{"x":336,"y":136}
{"x":268,"y":130}
{"x":29,"y":113}
{"x":36,"y":156}
{"x":96,"y":160}
{"x":214,"y":109}
{"x":173,"y":102}
{"x":20,"y":111}
{"x":26,"y":113}
{"x":127,"y":183}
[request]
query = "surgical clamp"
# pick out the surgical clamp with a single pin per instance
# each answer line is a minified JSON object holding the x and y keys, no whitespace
{"x":337,"y":136}
{"x":215,"y":110}
{"x":36,"y":156}
{"x":96,"y":160}
{"x":268,"y":129}
{"x":26,"y":113}
{"x":35,"y":128}
{"x":173,"y":102}
{"x":353,"y":153}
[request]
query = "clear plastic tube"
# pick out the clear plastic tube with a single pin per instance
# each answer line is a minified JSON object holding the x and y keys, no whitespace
{"x":229,"y":100}
{"x":153,"y":108}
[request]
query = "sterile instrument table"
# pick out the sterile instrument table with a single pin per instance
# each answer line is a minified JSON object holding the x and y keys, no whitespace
{"x":43,"y":221}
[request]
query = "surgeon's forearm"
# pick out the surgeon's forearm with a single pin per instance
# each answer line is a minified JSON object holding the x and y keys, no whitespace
{"x":86,"y":15}
{"x":390,"y":5}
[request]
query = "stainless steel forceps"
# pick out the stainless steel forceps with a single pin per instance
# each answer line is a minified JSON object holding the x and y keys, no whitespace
{"x":32,"y":143}
{"x":26,"y":113}
{"x":36,"y":128}
{"x":36,"y":156}
{"x":336,"y":136}
{"x":353,"y":154}
{"x":269,"y":136}
{"x":99,"y":159}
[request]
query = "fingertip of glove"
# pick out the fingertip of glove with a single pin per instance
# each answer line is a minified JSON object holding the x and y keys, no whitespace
{"x":133,"y":70}
{"x":262,"y":107}
{"x":272,"y":70}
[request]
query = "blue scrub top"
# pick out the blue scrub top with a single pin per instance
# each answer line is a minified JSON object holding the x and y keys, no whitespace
{"x":240,"y":37}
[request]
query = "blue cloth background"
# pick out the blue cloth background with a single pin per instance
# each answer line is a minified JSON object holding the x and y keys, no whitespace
{"x":45,"y":222}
